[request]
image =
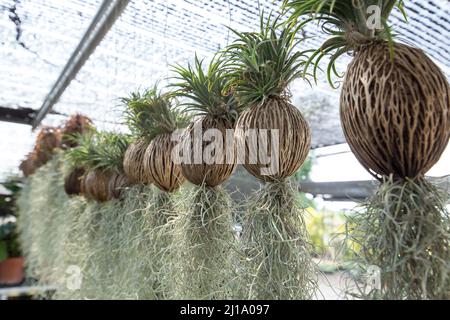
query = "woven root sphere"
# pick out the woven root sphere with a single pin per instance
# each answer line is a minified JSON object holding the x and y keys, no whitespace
{"x":30,"y":164}
{"x":133,"y":162}
{"x":210,"y":174}
{"x":294,"y":137}
{"x":117,"y":183}
{"x":395,"y":114}
{"x":73,"y":182}
{"x":158,"y":164}
{"x":96,"y":185}
{"x":76,"y":124}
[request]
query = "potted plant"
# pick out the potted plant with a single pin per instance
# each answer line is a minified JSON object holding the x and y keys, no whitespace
{"x":395,"y":114}
{"x":11,"y":260}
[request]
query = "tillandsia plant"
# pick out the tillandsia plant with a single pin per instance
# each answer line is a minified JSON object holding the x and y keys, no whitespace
{"x":101,"y":154}
{"x":395,"y":114}
{"x":275,"y":246}
{"x":203,"y":233}
{"x":138,"y":117}
{"x":47,"y":140}
{"x":161,"y":170}
{"x":76,"y":124}
{"x":164,"y":119}
{"x":213,"y":109}
{"x":30,"y":164}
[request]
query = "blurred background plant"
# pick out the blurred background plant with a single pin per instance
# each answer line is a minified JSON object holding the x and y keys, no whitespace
{"x":9,"y":244}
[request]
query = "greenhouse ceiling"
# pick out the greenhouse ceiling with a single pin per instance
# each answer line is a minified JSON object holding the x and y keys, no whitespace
{"x":38,"y":38}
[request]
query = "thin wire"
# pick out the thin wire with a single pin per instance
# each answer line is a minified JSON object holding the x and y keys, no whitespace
{"x":166,"y":18}
{"x":229,"y":22}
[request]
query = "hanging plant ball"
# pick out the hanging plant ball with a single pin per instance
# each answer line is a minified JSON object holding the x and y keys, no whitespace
{"x":73,"y":181}
{"x":96,"y":185}
{"x":406,"y":102}
{"x":210,"y":174}
{"x":294,"y":137}
{"x":117,"y":183}
{"x":47,"y":140}
{"x":133,"y":162}
{"x":30,"y":164}
{"x":77,"y":124}
{"x":158,"y":164}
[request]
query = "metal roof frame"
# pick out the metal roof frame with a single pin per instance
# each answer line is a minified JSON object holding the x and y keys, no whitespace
{"x":107,"y":14}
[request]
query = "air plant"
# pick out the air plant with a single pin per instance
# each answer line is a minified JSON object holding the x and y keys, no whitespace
{"x":203,"y":234}
{"x":163,"y":120}
{"x":101,"y":154}
{"x":275,"y":247}
{"x":29,"y":165}
{"x":162,"y":171}
{"x":47,"y":140}
{"x":395,"y":115}
{"x":76,"y":124}
{"x":138,"y":117}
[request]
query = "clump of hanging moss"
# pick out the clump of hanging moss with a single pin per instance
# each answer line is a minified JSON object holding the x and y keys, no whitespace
{"x":202,"y":243}
{"x":404,"y":230}
{"x":275,"y":253}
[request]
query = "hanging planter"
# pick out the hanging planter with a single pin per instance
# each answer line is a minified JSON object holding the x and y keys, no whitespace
{"x":101,"y":154}
{"x":29,"y":165}
{"x":47,"y":140}
{"x":163,"y":120}
{"x":203,"y":234}
{"x":159,"y":168}
{"x":96,"y":185}
{"x":76,"y":124}
{"x":138,"y":117}
{"x":276,"y":252}
{"x":395,"y":115}
{"x":74,"y":181}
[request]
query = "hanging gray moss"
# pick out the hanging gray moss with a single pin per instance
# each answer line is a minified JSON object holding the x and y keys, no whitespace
{"x":404,"y":230}
{"x":203,"y":239}
{"x":275,"y":256}
{"x":42,"y":218}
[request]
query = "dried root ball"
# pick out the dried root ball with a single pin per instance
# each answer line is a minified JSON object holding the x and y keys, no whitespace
{"x":212,"y":174}
{"x":133,"y":162}
{"x":395,"y":114}
{"x":293,"y":132}
{"x":158,"y":164}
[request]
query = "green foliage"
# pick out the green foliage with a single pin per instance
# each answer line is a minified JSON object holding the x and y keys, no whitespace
{"x":151,"y":113}
{"x":205,"y":91}
{"x":345,"y":23}
{"x":99,"y":150}
{"x":9,"y":242}
{"x":303,"y":174}
{"x":262,"y":64}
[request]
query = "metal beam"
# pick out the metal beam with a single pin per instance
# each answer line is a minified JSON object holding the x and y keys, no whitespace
{"x":355,"y":190}
{"x":18,"y":115}
{"x":340,"y":191}
{"x":108,"y":13}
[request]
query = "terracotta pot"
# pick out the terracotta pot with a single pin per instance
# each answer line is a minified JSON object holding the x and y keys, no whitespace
{"x":12,"y":271}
